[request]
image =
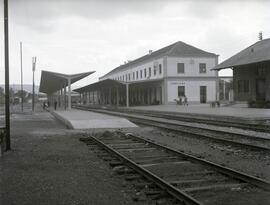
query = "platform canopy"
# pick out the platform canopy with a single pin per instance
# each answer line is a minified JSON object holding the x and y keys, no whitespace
{"x":100,"y":84}
{"x":51,"y":82}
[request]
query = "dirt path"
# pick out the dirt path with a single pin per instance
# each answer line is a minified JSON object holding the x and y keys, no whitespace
{"x":49,"y":165}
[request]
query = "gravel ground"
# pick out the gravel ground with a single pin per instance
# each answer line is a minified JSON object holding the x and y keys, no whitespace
{"x":254,"y":163}
{"x":49,"y":165}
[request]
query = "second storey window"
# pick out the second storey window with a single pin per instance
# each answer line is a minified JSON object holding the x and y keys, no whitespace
{"x":141,"y":74}
{"x":133,"y":75}
{"x":149,"y":69}
{"x":160,"y":68}
{"x":202,"y":67}
{"x":155,"y":71}
{"x":129,"y":76}
{"x":137,"y":74}
{"x":145,"y":72}
{"x":180,"y":68}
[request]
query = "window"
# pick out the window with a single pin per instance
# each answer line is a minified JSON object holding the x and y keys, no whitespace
{"x":133,"y":76}
{"x":155,"y":71}
{"x":180,"y":68}
{"x":243,"y":86}
{"x":149,"y":69}
{"x":137,"y":74}
{"x":126,"y":77}
{"x":141,"y":74}
{"x":145,"y":72}
{"x":129,"y":76}
{"x":160,"y":68}
{"x":181,"y":91}
{"x":202,"y":67}
{"x":261,"y":71}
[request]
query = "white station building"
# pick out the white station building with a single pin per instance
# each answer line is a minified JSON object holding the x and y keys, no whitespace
{"x":160,"y":77}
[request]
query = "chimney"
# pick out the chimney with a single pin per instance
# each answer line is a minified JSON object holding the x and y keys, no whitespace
{"x":150,"y":52}
{"x":260,"y":36}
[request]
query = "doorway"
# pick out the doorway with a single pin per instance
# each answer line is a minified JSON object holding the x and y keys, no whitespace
{"x":260,"y":89}
{"x":203,"y":94}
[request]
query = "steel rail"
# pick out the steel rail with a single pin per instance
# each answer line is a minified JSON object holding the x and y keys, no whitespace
{"x":264,"y":184}
{"x":192,"y":117}
{"x":201,"y":135}
{"x":173,"y":123}
{"x":217,"y":122}
{"x":176,"y":193}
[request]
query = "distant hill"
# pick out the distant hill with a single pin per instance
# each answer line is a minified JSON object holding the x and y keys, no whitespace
{"x":26,"y":87}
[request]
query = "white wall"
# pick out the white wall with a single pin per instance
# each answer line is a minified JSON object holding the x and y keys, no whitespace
{"x":191,"y":66}
{"x":192,"y":89}
{"x":139,"y":67}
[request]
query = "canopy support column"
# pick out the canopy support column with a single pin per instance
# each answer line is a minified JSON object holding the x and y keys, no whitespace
{"x":127,"y":96}
{"x":69,"y":93}
{"x":117,"y":96}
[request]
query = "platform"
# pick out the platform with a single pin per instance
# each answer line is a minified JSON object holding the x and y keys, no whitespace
{"x":78,"y":119}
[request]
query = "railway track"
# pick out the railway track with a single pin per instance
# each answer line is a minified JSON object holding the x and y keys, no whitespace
{"x":256,"y":143}
{"x":164,"y":172}
{"x":202,"y":119}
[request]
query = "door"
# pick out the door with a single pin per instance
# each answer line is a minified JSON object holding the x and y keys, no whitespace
{"x":203,"y":94}
{"x":181,"y":91}
{"x":260,"y":89}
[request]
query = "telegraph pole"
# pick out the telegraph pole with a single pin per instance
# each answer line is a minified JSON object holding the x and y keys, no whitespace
{"x":7,"y":111}
{"x":34,"y":60}
{"x":21,"y":75}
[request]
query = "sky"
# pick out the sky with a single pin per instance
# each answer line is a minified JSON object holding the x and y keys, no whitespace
{"x":98,"y":35}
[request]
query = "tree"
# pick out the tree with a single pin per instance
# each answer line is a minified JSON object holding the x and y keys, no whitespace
{"x":19,"y":94}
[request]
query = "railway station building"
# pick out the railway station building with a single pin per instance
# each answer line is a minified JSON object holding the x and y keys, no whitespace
{"x":159,"y":77}
{"x":251,"y":72}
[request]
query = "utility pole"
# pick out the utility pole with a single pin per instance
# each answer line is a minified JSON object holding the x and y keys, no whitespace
{"x":21,"y":75}
{"x":7,"y":111}
{"x":34,"y":60}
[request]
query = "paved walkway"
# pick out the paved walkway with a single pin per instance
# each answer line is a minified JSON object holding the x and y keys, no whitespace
{"x":251,"y":113}
{"x":78,"y":119}
{"x":50,"y":166}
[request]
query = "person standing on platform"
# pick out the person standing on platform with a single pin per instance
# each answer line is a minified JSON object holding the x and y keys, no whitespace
{"x":55,"y":105}
{"x":185,"y":100}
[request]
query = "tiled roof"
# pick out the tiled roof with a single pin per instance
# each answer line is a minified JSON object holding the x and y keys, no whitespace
{"x":178,"y":49}
{"x":258,"y":52}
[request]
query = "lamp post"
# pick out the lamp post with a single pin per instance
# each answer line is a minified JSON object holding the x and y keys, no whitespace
{"x":21,"y":76}
{"x":7,"y":111}
{"x":34,"y":60}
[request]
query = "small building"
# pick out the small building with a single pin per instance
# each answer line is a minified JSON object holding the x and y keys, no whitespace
{"x":251,"y":72}
{"x":160,"y":77}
